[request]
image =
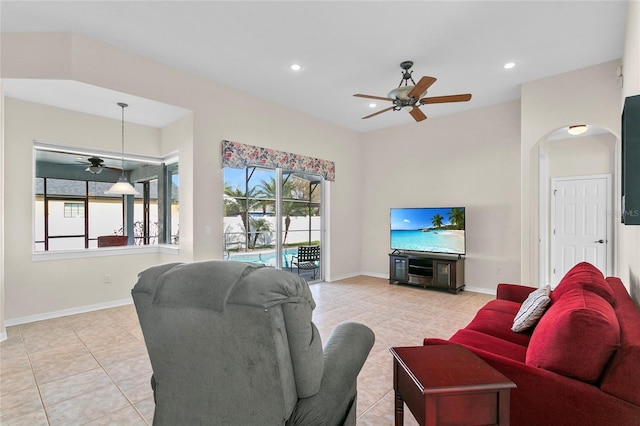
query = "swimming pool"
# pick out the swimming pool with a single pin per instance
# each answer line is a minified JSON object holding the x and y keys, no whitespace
{"x":265,"y":257}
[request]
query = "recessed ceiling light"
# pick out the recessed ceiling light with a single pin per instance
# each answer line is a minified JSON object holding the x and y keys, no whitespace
{"x":296,"y":67}
{"x":509,"y":65}
{"x":577,"y":129}
{"x":372,"y":105}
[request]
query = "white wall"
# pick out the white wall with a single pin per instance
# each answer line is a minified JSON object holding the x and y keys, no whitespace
{"x":36,"y":287}
{"x":629,"y":245}
{"x":469,"y":159}
{"x":580,"y":156}
{"x":218,"y":113}
{"x":178,"y":136}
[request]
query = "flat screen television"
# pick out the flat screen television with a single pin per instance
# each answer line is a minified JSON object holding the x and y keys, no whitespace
{"x":428,"y":229}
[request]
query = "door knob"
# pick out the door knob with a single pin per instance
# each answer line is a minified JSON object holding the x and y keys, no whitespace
{"x":599,"y":241}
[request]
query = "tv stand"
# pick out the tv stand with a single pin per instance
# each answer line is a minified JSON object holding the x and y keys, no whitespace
{"x":427,"y":270}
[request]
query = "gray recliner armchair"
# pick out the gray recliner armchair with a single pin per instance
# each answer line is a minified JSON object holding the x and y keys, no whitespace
{"x":233,"y":343}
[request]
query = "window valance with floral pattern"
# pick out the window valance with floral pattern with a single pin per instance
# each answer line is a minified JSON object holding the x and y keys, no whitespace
{"x":238,"y":155}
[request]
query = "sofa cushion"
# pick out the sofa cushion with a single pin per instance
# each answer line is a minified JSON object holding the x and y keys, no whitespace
{"x":576,"y":337}
{"x":532,"y":309}
{"x":505,"y":306}
{"x":498,"y":324}
{"x":478,"y":340}
{"x":586,"y":276}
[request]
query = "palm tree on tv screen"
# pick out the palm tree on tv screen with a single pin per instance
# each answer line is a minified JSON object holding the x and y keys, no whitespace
{"x":436,"y":220}
{"x":456,"y":217}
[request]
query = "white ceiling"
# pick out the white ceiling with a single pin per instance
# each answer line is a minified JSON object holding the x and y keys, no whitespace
{"x":345,"y":47}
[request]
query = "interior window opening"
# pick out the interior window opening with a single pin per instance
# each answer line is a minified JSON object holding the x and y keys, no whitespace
{"x":72,"y":210}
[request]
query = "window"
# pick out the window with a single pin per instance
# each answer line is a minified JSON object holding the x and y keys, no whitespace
{"x":72,"y":209}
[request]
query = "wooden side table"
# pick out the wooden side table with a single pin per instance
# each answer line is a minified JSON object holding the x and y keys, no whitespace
{"x":448,"y":385}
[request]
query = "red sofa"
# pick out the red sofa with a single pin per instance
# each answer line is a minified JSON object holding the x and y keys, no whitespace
{"x":579,"y":365}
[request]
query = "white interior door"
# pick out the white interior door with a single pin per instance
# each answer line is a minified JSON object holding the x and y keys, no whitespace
{"x":580,"y":228}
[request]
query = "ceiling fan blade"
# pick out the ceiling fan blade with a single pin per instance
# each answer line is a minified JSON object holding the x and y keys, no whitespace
{"x":417,"y":114}
{"x":444,"y":99}
{"x":422,"y":86}
{"x":379,"y":112}
{"x":380,"y":98}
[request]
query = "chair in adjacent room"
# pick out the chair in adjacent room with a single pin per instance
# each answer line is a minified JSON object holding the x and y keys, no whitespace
{"x":308,"y":258}
{"x":112,"y":240}
{"x":234,"y":343}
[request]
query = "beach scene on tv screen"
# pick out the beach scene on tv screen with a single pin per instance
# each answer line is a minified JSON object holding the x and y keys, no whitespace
{"x":439,"y":230}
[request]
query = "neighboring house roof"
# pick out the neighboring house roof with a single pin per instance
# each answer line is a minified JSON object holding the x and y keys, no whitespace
{"x":76,"y":188}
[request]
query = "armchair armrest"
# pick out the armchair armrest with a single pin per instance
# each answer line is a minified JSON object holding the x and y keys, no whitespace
{"x":513,"y":292}
{"x":344,"y":355}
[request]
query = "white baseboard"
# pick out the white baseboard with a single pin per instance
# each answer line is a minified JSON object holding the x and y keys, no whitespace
{"x":480,"y":290}
{"x":3,"y":336}
{"x":66,"y":312}
{"x":354,"y":274}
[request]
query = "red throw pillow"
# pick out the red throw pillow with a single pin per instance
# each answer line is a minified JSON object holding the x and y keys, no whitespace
{"x":576,"y":337}
{"x":584,"y":275}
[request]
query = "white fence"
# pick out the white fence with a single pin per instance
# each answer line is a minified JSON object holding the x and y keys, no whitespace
{"x":235,"y":237}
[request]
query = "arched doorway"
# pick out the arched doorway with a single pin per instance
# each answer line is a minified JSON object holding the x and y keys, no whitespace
{"x":576,"y":195}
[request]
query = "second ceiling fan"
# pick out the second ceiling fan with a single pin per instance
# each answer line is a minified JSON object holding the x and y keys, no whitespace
{"x":410,"y":96}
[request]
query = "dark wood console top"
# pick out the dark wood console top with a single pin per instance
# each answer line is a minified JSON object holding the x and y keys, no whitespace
{"x":448,"y":385}
{"x":448,"y":368}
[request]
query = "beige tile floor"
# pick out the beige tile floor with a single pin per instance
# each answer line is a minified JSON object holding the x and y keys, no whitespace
{"x":93,"y":368}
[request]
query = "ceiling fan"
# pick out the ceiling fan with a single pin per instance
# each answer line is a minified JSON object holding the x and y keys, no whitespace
{"x":410,"y":96}
{"x":96,"y":165}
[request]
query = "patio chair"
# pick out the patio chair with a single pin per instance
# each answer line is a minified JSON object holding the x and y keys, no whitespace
{"x":307,"y":259}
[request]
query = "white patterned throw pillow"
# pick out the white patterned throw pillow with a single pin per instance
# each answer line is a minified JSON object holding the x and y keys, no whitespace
{"x":532,"y":309}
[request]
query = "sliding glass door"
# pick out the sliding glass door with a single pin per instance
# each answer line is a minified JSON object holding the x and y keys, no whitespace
{"x":301,"y":221}
{"x":269,"y":214}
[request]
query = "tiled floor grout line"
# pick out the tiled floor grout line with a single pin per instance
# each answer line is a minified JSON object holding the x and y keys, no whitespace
{"x":33,"y":373}
{"x":110,"y":378}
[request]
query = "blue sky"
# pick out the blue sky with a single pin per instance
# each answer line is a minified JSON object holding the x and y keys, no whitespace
{"x":416,"y":218}
{"x":235,"y":177}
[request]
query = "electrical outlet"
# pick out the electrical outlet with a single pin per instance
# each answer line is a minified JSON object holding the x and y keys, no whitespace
{"x":107,"y":278}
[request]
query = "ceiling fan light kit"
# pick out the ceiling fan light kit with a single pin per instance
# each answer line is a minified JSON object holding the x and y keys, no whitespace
{"x":409,"y":97}
{"x":122,"y":186}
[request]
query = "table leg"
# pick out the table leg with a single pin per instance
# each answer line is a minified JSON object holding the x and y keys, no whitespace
{"x":399,"y":409}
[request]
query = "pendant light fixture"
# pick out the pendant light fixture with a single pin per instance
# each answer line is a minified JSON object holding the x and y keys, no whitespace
{"x":122,"y":186}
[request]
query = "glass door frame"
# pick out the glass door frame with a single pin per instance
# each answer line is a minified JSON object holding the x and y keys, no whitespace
{"x":279,"y":219}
